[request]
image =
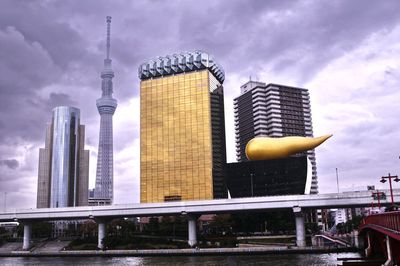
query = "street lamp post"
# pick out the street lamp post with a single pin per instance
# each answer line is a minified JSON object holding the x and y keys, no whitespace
{"x":395,"y":178}
{"x":372,"y":207}
{"x":378,"y":194}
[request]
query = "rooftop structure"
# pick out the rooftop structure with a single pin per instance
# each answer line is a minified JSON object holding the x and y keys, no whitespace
{"x":180,"y":63}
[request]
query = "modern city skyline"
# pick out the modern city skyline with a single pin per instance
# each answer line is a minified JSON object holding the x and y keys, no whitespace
{"x":63,"y":172}
{"x":52,"y":51}
{"x":106,"y":105}
{"x":276,"y":111}
{"x":182,"y":139}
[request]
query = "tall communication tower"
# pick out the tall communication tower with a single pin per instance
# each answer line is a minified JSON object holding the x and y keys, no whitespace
{"x":106,"y":106}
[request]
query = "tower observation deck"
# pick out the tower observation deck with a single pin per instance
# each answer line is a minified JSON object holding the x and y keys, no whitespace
{"x":106,"y":106}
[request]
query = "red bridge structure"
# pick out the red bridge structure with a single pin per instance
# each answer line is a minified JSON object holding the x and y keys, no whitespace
{"x":382,"y":236}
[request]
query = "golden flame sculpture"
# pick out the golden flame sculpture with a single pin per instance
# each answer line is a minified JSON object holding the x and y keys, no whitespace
{"x":265,"y":148}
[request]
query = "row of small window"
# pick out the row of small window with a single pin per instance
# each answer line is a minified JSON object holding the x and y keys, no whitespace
{"x":192,"y":128}
{"x":171,"y":183}
{"x":174,"y":110}
{"x":186,"y":165}
{"x":155,"y":135}
{"x":176,"y":88}
{"x":184,"y":93}
{"x":190,"y":97}
{"x":176,"y":78}
{"x":155,"y":141}
{"x":166,"y":102}
{"x":201,"y":165}
{"x":180,"y":150}
{"x":171,"y":125}
{"x":178,"y":84}
{"x":192,"y":75}
{"x":179,"y":168}
{"x":156,"y":106}
{"x":190,"y":189}
{"x":187,"y":192}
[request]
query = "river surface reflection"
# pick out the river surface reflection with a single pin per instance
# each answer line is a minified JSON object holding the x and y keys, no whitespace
{"x":273,"y":260}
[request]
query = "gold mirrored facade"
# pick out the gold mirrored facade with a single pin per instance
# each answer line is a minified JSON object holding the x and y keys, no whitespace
{"x":182,"y":141}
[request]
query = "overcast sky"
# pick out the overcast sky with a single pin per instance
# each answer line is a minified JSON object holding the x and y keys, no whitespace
{"x":347,"y":53}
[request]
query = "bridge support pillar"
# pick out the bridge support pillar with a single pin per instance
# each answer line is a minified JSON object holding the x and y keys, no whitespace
{"x":192,"y":219}
{"x":368,"y":250}
{"x":101,"y":233}
{"x":27,"y":236}
{"x":389,"y":261}
{"x":300,"y":228}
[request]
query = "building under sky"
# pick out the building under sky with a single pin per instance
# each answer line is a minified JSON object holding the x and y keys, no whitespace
{"x":63,"y":163}
{"x":276,"y":111}
{"x":182,"y":138}
{"x":106,"y":106}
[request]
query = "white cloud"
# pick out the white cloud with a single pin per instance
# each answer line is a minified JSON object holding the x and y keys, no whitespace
{"x":126,"y":160}
{"x":356,"y":98}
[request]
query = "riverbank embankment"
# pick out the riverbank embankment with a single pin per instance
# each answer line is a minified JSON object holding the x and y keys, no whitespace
{"x":177,"y":252}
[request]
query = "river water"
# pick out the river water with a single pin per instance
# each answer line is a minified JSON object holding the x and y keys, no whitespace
{"x":273,"y":260}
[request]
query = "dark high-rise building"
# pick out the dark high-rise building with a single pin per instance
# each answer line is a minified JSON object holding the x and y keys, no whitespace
{"x":276,"y":111}
{"x":63,"y":174}
{"x":182,"y":138}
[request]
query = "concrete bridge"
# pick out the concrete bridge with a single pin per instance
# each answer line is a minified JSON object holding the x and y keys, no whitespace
{"x":193,"y":209}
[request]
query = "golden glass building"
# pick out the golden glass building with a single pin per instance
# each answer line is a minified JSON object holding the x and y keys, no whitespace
{"x":182,"y":130}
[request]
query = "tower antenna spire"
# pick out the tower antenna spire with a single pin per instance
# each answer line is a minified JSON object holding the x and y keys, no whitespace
{"x":108,"y":20}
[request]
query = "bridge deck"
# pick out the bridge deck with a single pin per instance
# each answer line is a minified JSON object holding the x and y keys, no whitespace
{"x":334,"y":200}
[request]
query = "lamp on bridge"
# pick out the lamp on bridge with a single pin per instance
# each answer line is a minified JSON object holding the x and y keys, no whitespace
{"x":395,"y":178}
{"x":378,"y":195}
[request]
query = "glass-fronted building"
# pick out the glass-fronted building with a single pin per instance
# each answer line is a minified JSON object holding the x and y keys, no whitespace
{"x":64,"y":160}
{"x":63,"y":163}
{"x":182,"y":137}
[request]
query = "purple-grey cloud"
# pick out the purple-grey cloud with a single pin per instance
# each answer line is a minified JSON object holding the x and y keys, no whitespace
{"x":10,"y":163}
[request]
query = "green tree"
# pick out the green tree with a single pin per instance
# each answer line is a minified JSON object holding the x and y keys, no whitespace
{"x":153,"y":225}
{"x":88,"y":229}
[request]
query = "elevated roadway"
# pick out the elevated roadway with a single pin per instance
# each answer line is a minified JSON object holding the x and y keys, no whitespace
{"x":192,"y":209}
{"x":318,"y":201}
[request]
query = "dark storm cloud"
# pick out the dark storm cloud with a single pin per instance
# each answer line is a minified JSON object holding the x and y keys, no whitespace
{"x":10,"y":163}
{"x":39,"y":24}
{"x":36,"y":51}
{"x":26,"y":66}
{"x":308,"y":34}
{"x":58,"y":99}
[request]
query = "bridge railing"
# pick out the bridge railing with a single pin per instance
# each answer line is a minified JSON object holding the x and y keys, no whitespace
{"x":388,"y":220}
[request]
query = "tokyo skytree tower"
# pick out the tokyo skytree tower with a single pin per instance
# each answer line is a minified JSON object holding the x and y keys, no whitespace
{"x":106,"y":106}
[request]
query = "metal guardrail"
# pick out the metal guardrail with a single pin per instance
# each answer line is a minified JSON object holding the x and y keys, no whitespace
{"x":387,"y":223}
{"x":334,"y":240}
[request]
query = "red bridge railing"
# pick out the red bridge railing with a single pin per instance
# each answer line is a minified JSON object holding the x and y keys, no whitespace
{"x":387,"y":223}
